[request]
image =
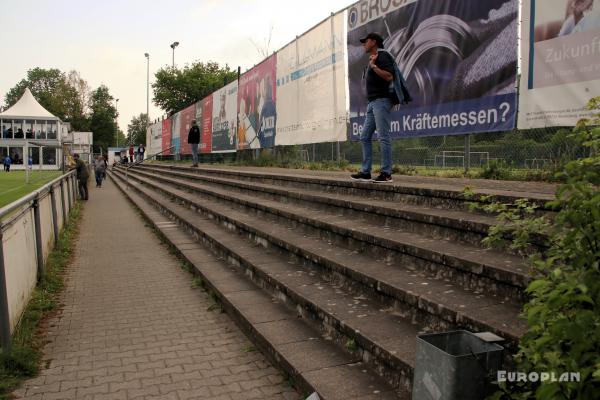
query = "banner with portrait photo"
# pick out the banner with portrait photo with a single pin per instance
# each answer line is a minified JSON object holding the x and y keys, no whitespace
{"x":257,"y":113}
{"x":166,"y":137}
{"x":459,"y":59}
{"x":311,"y":86}
{"x":224,"y":119}
{"x":560,"y":61}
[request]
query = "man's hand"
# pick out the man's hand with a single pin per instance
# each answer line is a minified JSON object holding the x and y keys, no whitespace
{"x":372,"y":60}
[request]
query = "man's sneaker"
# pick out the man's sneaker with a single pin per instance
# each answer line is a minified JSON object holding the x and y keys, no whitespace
{"x":361,"y":176}
{"x":383,"y":178}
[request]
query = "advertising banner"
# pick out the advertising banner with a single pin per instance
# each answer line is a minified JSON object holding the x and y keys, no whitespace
{"x":166,"y":137}
{"x":224,"y":119}
{"x":256,"y":106}
{"x":205,"y":124}
{"x":560,"y":61}
{"x":175,"y":133}
{"x":311,"y":86}
{"x":154,"y":139}
{"x":187,"y":116}
{"x":459,"y":59}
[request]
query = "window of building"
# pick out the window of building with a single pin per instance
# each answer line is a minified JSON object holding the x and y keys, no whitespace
{"x":49,"y":156}
{"x":34,"y":152}
{"x":18,"y":129}
{"x":16,"y":153}
{"x":29,"y":132}
{"x":38,"y":128}
{"x":51,"y":128}
{"x":6,"y":129}
{"x":4,"y":151}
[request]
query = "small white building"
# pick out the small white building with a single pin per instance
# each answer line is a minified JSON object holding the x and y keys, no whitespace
{"x":116,"y":154}
{"x":29,"y":125}
{"x":80,"y":143}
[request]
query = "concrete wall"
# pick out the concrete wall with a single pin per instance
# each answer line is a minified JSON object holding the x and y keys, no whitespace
{"x":20,"y":263}
{"x":19,"y":246}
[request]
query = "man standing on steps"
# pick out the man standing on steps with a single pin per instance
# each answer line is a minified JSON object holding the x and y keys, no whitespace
{"x":193,"y":141}
{"x":379,"y":74}
{"x":131,"y":152}
{"x":82,"y":176}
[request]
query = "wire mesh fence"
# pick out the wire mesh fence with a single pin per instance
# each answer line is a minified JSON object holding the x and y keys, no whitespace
{"x":537,"y":149}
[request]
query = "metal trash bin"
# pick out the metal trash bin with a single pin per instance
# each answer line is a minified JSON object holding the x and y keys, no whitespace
{"x":455,"y":365}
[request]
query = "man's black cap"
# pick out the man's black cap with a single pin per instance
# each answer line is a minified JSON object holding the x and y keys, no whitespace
{"x":375,"y":36}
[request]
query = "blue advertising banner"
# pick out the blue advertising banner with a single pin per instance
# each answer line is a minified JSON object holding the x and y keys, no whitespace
{"x":459,"y":59}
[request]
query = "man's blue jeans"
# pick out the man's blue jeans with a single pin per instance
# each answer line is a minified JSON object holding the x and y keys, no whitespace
{"x":377,"y":118}
{"x":194,"y":147}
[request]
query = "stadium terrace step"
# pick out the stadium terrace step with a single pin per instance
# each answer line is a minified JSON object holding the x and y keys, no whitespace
{"x":429,"y":191}
{"x":471,"y":267}
{"x":439,"y":305}
{"x":300,"y":336}
{"x":434,"y":222}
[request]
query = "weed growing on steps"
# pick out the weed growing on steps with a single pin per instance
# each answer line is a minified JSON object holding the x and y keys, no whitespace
{"x":23,"y":361}
{"x":351,"y":345}
{"x":249,"y":349}
{"x":197,"y":282}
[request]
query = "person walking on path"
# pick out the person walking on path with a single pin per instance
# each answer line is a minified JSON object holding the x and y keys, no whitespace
{"x":82,"y":176}
{"x":140,"y":151}
{"x":131,"y":152}
{"x":382,"y":94}
{"x":193,"y":141}
{"x":7,"y":162}
{"x":100,"y":169}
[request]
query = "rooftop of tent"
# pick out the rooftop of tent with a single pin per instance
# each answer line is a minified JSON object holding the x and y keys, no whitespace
{"x":28,"y":108}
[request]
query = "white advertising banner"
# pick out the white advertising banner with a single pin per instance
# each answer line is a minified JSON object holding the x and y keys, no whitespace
{"x":560,"y":61}
{"x":154,"y":139}
{"x":224,"y":115}
{"x":311,"y":86}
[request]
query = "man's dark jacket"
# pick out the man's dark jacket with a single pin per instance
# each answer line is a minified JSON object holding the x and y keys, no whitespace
{"x":194,"y":135}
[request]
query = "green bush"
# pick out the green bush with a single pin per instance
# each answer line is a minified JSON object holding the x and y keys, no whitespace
{"x":563,"y":313}
{"x":495,"y":170}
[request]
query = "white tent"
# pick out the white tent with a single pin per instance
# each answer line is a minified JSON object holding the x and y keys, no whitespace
{"x":27,"y":122}
{"x":27,"y":108}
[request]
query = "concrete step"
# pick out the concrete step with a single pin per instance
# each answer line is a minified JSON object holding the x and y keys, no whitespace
{"x":470,"y":267}
{"x":380,"y":338}
{"x":433,"y":192}
{"x":457,"y":225}
{"x":434,"y":303}
{"x":291,"y":342}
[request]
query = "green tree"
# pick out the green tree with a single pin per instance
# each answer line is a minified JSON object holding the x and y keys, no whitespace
{"x":122,"y":138}
{"x":174,"y":89}
{"x":81,"y":121}
{"x":103,"y":119}
{"x":136,"y":130}
{"x":55,"y":93}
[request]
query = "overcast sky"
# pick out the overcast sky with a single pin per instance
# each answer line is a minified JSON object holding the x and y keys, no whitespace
{"x":106,"y":40}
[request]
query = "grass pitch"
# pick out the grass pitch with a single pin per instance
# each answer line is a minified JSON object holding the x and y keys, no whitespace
{"x":13,"y":186}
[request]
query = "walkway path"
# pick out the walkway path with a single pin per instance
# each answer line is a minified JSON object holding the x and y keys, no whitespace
{"x":133,"y":327}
